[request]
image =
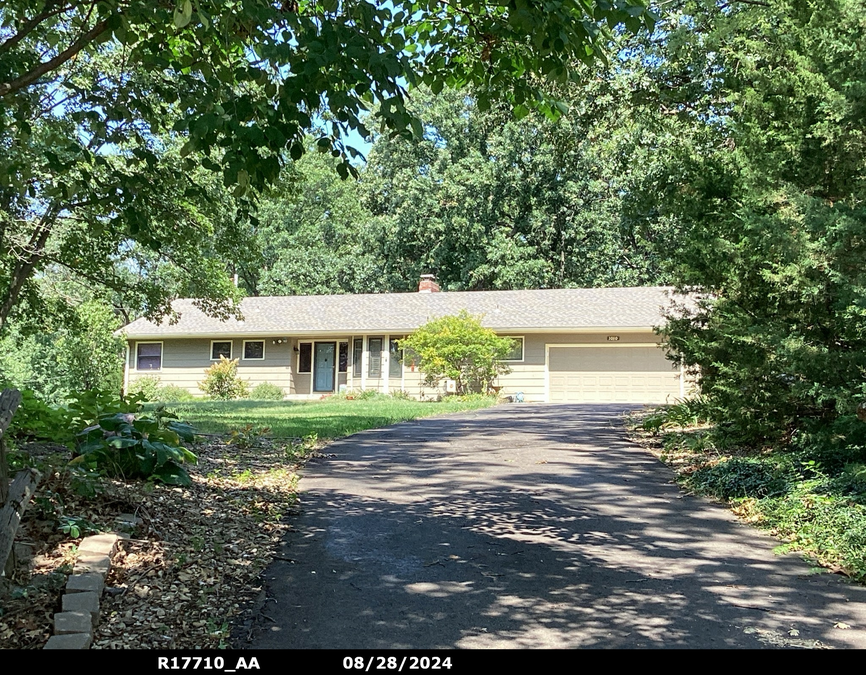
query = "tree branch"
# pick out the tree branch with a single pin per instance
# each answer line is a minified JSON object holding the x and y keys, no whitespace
{"x":756,"y":3}
{"x":23,"y":269}
{"x":49,"y":11}
{"x":7,"y":88}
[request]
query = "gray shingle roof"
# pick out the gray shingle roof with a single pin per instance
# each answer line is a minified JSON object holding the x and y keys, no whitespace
{"x":532,"y":310}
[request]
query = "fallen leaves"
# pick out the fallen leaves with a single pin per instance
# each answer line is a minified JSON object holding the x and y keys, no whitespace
{"x":187,"y":570}
{"x":183,"y":589}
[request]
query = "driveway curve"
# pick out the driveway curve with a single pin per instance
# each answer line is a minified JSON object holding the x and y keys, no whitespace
{"x":532,"y":526}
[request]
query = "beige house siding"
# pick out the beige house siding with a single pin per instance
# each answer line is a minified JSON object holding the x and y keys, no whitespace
{"x":185,"y":360}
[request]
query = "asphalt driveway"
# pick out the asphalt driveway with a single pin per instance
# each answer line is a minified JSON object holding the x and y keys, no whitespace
{"x":532,"y":526}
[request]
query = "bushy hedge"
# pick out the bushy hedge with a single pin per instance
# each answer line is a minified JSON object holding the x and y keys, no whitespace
{"x":266,"y":391}
{"x":221,"y":381}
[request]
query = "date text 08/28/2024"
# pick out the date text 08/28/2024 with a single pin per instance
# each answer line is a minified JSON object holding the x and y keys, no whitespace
{"x":350,"y":663}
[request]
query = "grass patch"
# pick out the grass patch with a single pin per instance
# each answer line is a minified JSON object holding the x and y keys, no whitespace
{"x":810,"y":494}
{"x":329,"y":418}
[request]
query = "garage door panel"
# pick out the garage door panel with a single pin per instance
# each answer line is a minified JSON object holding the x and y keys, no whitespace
{"x":611,"y":375}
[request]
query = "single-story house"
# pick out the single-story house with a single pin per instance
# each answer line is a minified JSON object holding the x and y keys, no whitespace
{"x":571,"y":345}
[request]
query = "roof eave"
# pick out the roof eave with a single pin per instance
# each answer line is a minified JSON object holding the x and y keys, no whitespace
{"x":378,"y":331}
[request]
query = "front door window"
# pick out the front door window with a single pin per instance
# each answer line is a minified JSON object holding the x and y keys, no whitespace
{"x":325,"y":361}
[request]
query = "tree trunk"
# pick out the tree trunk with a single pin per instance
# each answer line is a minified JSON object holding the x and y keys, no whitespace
{"x":20,"y":492}
{"x":4,"y":473}
{"x":9,"y":401}
{"x":24,"y":268}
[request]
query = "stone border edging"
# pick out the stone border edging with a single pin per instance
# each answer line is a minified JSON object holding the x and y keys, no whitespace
{"x":73,"y":626}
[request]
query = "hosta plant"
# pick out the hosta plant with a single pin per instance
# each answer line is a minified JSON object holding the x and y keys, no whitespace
{"x":130,"y":445}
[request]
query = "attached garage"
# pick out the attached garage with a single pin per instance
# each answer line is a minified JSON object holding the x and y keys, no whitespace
{"x":611,"y":374}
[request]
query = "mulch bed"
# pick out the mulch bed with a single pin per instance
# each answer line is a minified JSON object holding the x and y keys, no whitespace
{"x":189,"y":567}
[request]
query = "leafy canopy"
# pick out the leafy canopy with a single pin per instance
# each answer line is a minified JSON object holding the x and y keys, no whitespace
{"x":112,"y":112}
{"x":459,"y":348}
{"x":249,"y":76}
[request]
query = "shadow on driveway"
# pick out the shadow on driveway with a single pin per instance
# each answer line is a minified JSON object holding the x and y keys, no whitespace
{"x":530,"y":527}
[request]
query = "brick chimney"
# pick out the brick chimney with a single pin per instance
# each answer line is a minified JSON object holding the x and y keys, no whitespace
{"x":428,"y":284}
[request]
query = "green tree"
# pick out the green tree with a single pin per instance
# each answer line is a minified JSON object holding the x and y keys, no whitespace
{"x":315,"y":236}
{"x":493,"y":202}
{"x":767,"y":187}
{"x":106,"y":200}
{"x":96,"y":95}
{"x":459,"y":348}
{"x":75,"y":351}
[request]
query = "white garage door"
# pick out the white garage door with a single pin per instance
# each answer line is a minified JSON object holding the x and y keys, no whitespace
{"x":611,"y":375}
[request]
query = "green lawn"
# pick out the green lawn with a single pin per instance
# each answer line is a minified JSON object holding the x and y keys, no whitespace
{"x":330,"y":418}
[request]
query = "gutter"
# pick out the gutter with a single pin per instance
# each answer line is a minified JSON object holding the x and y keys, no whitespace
{"x":376,"y":331}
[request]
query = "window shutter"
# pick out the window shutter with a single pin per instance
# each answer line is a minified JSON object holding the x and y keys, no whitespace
{"x":375,"y":348}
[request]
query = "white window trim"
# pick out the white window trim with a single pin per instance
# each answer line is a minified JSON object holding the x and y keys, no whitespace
{"x":244,"y":350}
{"x":161,"y":354}
{"x":312,"y":357}
{"x":522,"y":339}
{"x":231,"y":349}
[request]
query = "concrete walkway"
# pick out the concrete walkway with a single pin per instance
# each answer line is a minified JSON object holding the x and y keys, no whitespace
{"x":532,"y":526}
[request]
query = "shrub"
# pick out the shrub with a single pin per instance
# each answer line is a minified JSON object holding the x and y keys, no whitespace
{"x":130,"y":445}
{"x":739,"y":478}
{"x":684,"y":413}
{"x":87,"y":407}
{"x":459,"y":348}
{"x":37,"y":420}
{"x":171,"y":393}
{"x":147,"y":387}
{"x":247,"y":436}
{"x":221,"y":381}
{"x":357,"y":395}
{"x":829,"y":526}
{"x":267,"y":392}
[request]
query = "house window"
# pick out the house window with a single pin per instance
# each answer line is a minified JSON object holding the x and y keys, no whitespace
{"x":357,"y":352}
{"x":395,"y":363}
{"x":516,"y":354}
{"x":343,"y":360}
{"x":374,"y":346}
{"x":220,"y":348}
{"x":254,"y":350}
{"x":148,"y":356}
{"x":305,"y":357}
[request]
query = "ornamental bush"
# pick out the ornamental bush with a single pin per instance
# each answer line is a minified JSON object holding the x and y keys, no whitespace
{"x":458,"y":348}
{"x":147,"y":387}
{"x":266,"y":391}
{"x":221,"y":381}
{"x":171,"y":393}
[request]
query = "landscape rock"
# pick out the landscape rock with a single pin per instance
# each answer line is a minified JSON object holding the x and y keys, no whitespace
{"x":69,"y":641}
{"x":83,"y":602}
{"x":72,"y":622}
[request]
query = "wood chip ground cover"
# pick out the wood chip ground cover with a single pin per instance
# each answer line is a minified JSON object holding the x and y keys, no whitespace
{"x":186,"y":571}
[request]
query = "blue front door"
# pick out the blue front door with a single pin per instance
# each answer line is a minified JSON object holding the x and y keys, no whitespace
{"x":324,"y":366}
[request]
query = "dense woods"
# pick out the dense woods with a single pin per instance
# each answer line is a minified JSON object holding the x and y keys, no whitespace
{"x":718,"y":149}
